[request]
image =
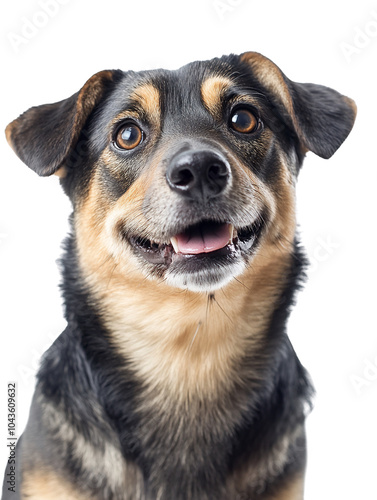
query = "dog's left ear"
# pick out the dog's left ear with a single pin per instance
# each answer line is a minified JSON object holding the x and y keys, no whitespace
{"x":321,"y":117}
{"x":43,"y":136}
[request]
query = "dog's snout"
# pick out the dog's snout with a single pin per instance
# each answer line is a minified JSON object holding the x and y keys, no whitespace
{"x":199,"y":175}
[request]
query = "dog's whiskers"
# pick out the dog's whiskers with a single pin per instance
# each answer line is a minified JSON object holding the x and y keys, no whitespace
{"x":105,"y":261}
{"x":222,"y":309}
{"x":112,"y":274}
{"x":194,"y":337}
{"x":240,"y":282}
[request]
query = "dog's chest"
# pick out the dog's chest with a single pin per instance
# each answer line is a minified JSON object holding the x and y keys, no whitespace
{"x":190,"y":450}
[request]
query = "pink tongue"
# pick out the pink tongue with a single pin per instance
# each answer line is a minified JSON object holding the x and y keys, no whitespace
{"x":204,"y":238}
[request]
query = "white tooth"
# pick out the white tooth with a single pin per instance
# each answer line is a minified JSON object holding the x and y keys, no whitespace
{"x":174,"y":242}
{"x":231,"y":231}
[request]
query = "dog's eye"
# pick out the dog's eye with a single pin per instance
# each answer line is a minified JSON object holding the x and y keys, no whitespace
{"x":243,"y":121}
{"x":129,"y":136}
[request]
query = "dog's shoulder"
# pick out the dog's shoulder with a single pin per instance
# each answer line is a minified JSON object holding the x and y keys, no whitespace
{"x":68,"y":435}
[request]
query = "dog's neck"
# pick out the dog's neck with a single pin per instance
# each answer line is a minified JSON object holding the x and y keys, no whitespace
{"x":182,"y":341}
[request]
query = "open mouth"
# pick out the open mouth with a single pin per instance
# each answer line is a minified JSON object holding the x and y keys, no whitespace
{"x":207,"y":242}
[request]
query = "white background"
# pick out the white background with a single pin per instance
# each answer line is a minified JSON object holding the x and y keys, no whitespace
{"x":333,"y":327}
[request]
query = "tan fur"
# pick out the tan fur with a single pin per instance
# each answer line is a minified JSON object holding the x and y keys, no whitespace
{"x":271,"y":77}
{"x":102,"y":460}
{"x":293,"y":491}
{"x":96,"y":245}
{"x":149,"y":98}
{"x":8,"y":133}
{"x":284,"y":226}
{"x":212,"y":92}
{"x":352,"y":104}
{"x":61,"y":172}
{"x":89,"y":96}
{"x":44,"y":484}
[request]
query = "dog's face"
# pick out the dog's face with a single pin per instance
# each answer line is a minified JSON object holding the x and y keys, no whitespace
{"x":186,"y":176}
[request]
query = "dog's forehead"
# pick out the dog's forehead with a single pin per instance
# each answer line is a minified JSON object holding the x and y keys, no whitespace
{"x":189,"y":78}
{"x":202,"y":81}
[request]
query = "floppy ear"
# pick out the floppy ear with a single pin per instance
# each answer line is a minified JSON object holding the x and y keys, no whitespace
{"x":321,"y":117}
{"x":43,"y":136}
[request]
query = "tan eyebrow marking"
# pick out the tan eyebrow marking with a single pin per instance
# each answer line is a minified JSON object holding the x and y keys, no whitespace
{"x":144,"y":99}
{"x":212,"y":90}
{"x":271,"y":76}
{"x":149,"y":98}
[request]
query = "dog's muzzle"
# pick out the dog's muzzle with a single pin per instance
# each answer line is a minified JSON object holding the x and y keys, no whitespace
{"x":207,"y":248}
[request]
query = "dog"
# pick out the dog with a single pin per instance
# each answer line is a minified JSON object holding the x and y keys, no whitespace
{"x":175,"y":378}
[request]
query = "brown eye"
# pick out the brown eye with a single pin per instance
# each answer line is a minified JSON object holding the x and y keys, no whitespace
{"x":129,"y":136}
{"x":243,"y":121}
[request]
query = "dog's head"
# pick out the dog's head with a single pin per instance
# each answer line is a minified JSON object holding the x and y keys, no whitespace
{"x":184,"y":176}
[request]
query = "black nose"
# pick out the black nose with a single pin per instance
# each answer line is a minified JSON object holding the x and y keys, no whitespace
{"x":199,"y":175}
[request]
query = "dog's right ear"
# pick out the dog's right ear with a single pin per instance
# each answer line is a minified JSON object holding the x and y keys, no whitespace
{"x":44,"y":136}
